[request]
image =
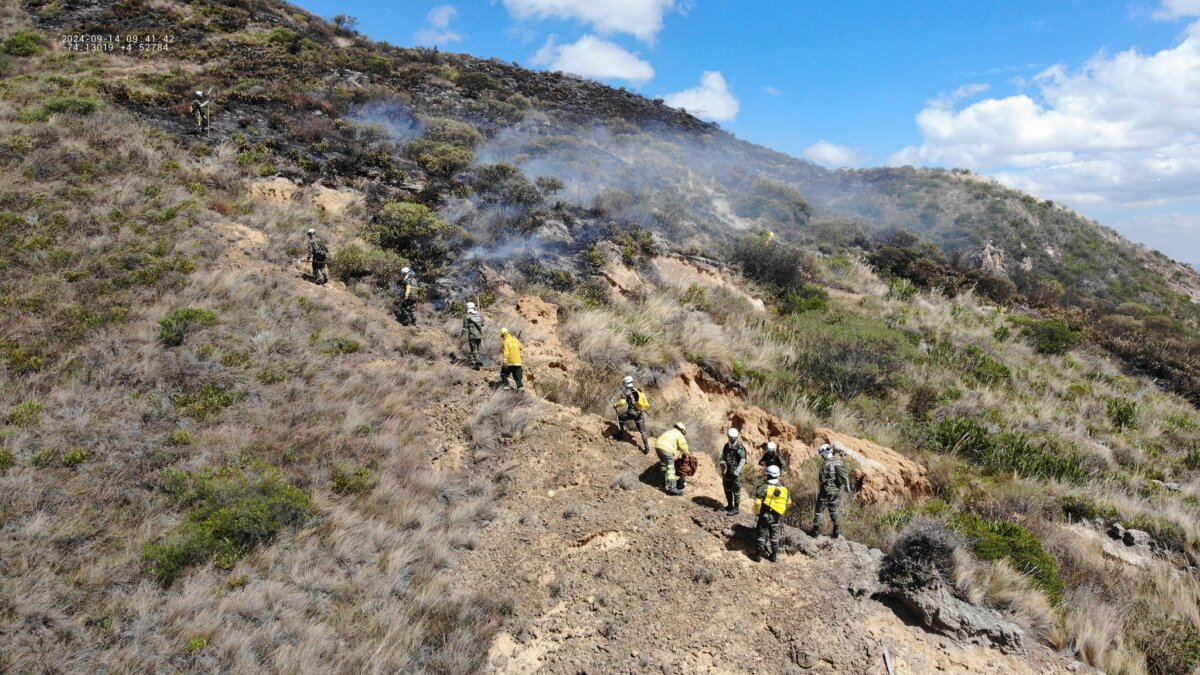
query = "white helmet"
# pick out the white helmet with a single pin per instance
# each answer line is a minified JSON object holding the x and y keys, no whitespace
{"x":628,"y":380}
{"x":681,"y":427}
{"x":406,"y":270}
{"x":311,"y":232}
{"x":773,"y":471}
{"x":733,"y":434}
{"x":199,"y":93}
{"x":826,"y":450}
{"x":771,"y":446}
{"x":470,"y":305}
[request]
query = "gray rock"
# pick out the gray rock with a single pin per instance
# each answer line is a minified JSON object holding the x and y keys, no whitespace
{"x":939,"y":611}
{"x":1116,"y":531}
{"x":1173,"y":487}
{"x":1137,"y":538}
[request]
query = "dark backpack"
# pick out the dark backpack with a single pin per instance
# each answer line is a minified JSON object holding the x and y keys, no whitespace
{"x":320,"y":249}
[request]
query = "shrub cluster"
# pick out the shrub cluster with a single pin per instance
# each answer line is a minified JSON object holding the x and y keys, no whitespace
{"x":416,"y":233}
{"x":1006,"y":451}
{"x":175,"y":327}
{"x":230,"y":511}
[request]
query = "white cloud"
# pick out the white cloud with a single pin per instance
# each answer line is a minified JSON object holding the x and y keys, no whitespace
{"x":1124,"y":129}
{"x":835,"y":156}
{"x":640,"y":18}
{"x":771,"y":91}
{"x":711,"y":100}
{"x":592,"y":57}
{"x":438,"y":32}
{"x":962,"y":93}
{"x":1176,"y":9}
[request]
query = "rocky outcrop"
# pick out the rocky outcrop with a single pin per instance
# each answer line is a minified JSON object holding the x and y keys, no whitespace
{"x":881,"y":474}
{"x":939,"y":611}
{"x":277,"y":190}
{"x":758,"y":426}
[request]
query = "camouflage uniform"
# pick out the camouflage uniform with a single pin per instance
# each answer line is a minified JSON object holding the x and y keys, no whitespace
{"x":832,"y":479}
{"x":733,"y":460}
{"x":772,"y":459}
{"x":638,"y":417}
{"x":769,"y":522}
{"x":200,"y":111}
{"x":473,"y":329}
{"x":406,"y":303}
{"x":316,"y":254}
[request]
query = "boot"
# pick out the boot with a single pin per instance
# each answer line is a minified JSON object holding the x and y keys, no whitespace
{"x":837,"y":533}
{"x":772,"y":557}
{"x":673,"y":491}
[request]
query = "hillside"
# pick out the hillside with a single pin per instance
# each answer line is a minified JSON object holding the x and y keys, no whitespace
{"x":209,"y":463}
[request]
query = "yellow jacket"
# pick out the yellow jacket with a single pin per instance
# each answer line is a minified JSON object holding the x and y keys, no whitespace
{"x":512,"y":350}
{"x":672,"y":441}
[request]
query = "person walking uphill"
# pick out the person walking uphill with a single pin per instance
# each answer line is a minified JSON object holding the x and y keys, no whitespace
{"x":771,"y":501}
{"x":632,"y":406}
{"x":670,"y":444}
{"x":473,"y":330}
{"x":512,"y":361}
{"x":318,"y":254}
{"x":832,"y":479}
{"x":733,"y":460}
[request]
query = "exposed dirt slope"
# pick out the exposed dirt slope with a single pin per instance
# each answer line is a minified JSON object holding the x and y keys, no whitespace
{"x":608,"y":574}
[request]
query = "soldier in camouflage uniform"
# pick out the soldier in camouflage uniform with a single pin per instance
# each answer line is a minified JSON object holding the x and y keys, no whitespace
{"x":406,"y":301}
{"x":733,"y":460}
{"x":627,"y":410}
{"x":318,"y":251}
{"x":473,"y":330}
{"x":772,"y":457}
{"x":199,"y":110}
{"x":832,"y":479}
{"x":771,"y":500}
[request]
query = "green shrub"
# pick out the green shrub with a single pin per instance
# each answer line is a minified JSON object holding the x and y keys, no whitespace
{"x":354,"y":262}
{"x":7,"y":460}
{"x":984,"y":368}
{"x":20,"y":360}
{"x":229,"y":513}
{"x":70,"y":105}
{"x":23,"y":43}
{"x":782,"y":267}
{"x":1171,"y":643}
{"x":1051,"y":336}
{"x":505,"y":185}
{"x":75,"y":457}
{"x":180,"y":438}
{"x":268,"y":169}
{"x":175,"y":327}
{"x":902,"y":289}
{"x":847,"y":356}
{"x":1001,"y":539}
{"x":350,"y":480}
{"x":44,"y":457}
{"x":1006,"y":451}
{"x":440,"y":160}
{"x":195,"y":645}
{"x":1121,"y":412}
{"x":1079,"y":507}
{"x":25,"y":414}
{"x":807,"y":298}
{"x":453,"y":132}
{"x":416,"y":233}
{"x":336,"y":346}
{"x":207,"y":401}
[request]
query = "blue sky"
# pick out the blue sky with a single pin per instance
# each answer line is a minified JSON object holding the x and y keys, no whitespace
{"x":1094,"y":104}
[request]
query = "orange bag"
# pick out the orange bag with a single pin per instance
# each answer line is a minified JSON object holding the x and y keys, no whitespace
{"x":686,"y":465}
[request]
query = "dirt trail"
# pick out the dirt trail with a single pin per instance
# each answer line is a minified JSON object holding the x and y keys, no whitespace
{"x":605,"y":572}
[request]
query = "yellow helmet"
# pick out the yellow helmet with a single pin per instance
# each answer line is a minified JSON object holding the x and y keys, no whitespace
{"x":504,"y":331}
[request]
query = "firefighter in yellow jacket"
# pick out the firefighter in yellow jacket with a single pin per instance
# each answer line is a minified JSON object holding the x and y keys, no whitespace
{"x":770,"y":503}
{"x":670,"y":444}
{"x":512,"y":361}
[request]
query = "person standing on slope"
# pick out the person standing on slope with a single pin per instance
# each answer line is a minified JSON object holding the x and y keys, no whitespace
{"x":512,"y":361}
{"x":832,"y":479}
{"x":632,"y":406}
{"x":318,"y":253}
{"x":473,"y":330}
{"x":199,"y":109}
{"x":670,"y":444}
{"x":772,"y":457}
{"x":771,"y":501}
{"x":406,"y":299}
{"x":733,"y":460}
